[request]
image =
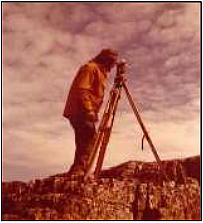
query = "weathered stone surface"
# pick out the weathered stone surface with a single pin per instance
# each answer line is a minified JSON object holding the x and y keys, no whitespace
{"x":131,"y":191}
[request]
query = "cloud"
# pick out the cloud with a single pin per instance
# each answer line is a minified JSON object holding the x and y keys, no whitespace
{"x":171,"y":139}
{"x":45,"y":43}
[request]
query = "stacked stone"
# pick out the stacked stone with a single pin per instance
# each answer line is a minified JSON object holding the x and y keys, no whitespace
{"x":133,"y":193}
{"x":169,"y":201}
{"x":106,"y":199}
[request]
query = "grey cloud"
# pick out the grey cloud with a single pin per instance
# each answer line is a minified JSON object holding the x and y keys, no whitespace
{"x":26,"y":173}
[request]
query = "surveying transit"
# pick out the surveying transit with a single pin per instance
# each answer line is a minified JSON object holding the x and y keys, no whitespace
{"x":102,"y":137}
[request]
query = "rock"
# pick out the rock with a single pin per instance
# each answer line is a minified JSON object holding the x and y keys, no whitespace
{"x":131,"y":191}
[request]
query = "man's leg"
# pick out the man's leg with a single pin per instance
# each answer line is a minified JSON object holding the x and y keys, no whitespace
{"x":87,"y":133}
{"x":84,"y":133}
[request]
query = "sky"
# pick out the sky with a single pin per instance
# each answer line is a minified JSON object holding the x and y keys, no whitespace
{"x":44,"y":44}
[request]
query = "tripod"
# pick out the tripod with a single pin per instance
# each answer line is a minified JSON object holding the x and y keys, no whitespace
{"x":102,"y":137}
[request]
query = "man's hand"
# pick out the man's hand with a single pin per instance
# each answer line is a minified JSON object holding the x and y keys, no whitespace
{"x":92,"y":116}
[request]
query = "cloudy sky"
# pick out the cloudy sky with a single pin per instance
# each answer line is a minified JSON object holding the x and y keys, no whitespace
{"x":44,"y":44}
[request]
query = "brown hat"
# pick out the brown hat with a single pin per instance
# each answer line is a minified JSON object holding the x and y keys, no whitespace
{"x":109,"y":53}
{"x":106,"y":56}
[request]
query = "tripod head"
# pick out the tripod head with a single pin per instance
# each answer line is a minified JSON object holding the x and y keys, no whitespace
{"x":121,"y":67}
{"x":120,"y":71}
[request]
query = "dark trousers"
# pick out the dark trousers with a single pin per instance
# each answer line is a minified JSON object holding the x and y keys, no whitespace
{"x":84,"y":134}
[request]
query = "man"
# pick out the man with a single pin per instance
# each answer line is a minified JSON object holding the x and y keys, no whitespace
{"x":83,"y":104}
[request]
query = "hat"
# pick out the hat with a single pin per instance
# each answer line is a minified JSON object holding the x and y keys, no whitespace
{"x":109,"y":53}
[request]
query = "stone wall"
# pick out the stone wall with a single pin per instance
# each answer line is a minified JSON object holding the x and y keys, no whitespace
{"x":136,"y":194}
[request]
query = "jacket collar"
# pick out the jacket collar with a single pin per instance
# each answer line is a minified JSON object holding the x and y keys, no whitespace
{"x":102,"y":69}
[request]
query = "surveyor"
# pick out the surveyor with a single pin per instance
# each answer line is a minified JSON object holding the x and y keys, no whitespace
{"x":83,"y":104}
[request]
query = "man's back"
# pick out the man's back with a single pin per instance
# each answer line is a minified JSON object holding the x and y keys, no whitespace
{"x":87,"y":90}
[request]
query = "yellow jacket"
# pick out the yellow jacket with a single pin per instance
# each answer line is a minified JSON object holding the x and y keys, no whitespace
{"x":87,"y":91}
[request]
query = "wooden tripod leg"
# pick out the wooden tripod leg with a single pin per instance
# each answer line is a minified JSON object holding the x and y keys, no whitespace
{"x":96,"y":144}
{"x":107,"y":134}
{"x":94,"y":153}
{"x":102,"y":152}
{"x":135,"y":110}
{"x":98,"y":139}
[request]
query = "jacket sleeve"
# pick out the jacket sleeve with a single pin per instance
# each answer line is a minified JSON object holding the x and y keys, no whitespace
{"x":84,"y":85}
